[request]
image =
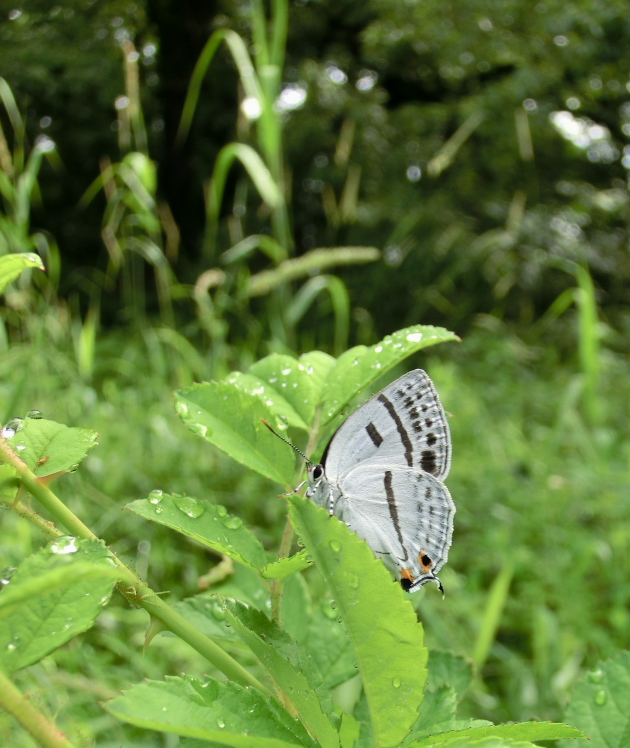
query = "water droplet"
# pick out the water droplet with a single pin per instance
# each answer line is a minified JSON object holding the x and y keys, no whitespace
{"x":287,"y":371}
{"x":221,"y":510}
{"x":396,"y":682}
{"x":5,"y":576}
{"x":21,"y":447}
{"x":414,"y":337}
{"x":34,"y":415}
{"x":232,"y":523}
{"x":181,"y":408}
{"x":353,"y":580}
{"x":12,"y":427}
{"x":156,"y":496}
{"x":14,"y":643}
{"x":273,"y":379}
{"x":198,"y":428}
{"x":218,"y":613}
{"x":189,"y":506}
{"x":378,"y":349}
{"x":601,"y":697}
{"x":596,"y":676}
{"x":335,"y":545}
{"x":63,"y":545}
{"x":165,"y":709}
{"x":158,"y":510}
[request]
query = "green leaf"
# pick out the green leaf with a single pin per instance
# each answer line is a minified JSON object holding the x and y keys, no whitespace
{"x":9,"y":484}
{"x":449,"y":669}
{"x":328,"y":644}
{"x":13,"y":265}
{"x":385,"y":633}
{"x":599,"y":705}
{"x":48,"y":447}
{"x":289,"y":667}
{"x":223,"y":712}
{"x":230,"y":419}
{"x":50,"y":618}
{"x":492,"y":742}
{"x":522,"y":731}
{"x":360,"y":367}
{"x":438,"y":708}
{"x":263,"y":389}
{"x":292,"y":380}
{"x":285,"y":567}
{"x":210,"y":524}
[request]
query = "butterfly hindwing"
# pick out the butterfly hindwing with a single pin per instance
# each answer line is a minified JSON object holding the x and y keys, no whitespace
{"x":404,"y":425}
{"x":403,"y":514}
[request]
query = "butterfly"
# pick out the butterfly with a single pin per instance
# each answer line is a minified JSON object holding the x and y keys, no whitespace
{"x":382,"y":474}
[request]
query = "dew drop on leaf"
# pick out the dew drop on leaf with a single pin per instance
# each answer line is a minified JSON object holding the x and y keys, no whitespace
{"x":12,"y":427}
{"x":221,"y":510}
{"x":601,"y":697}
{"x":414,"y":337}
{"x":64,"y":545}
{"x":396,"y":682}
{"x":335,"y":545}
{"x":189,"y":506}
{"x":181,"y":408}
{"x":156,"y":496}
{"x":232,"y":523}
{"x":596,"y":676}
{"x":34,"y":415}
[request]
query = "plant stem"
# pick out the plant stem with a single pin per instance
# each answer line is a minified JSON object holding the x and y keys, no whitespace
{"x":13,"y":701}
{"x":133,"y":588}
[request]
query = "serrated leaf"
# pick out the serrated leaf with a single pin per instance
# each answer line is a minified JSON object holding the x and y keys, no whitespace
{"x":285,"y":567}
{"x":599,"y":705}
{"x":51,"y":618}
{"x":328,"y":644}
{"x":209,"y":524}
{"x":449,"y":669}
{"x":48,"y":447}
{"x":522,"y":731}
{"x":289,"y":667}
{"x":13,"y":265}
{"x":230,"y":419}
{"x":386,"y":636}
{"x":360,"y":367}
{"x":222,"y":712}
{"x":292,"y":381}
{"x":439,"y":707}
{"x":261,"y":388}
{"x":493,"y":742}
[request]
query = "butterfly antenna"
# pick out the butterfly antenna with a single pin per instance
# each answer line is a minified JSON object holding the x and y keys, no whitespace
{"x":286,"y":441}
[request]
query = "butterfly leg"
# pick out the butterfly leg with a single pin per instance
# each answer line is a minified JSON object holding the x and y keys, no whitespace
{"x":331,"y":502}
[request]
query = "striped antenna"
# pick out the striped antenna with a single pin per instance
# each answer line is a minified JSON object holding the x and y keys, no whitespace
{"x":286,"y":441}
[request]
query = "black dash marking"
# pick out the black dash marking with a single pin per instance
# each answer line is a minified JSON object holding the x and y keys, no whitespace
{"x":414,"y":413}
{"x":431,"y":509}
{"x":431,"y":439}
{"x":393,"y":511}
{"x":408,"y":402}
{"x":417,"y":427}
{"x":404,"y":436}
{"x":429,"y":422}
{"x":376,"y":438}
{"x":429,"y":462}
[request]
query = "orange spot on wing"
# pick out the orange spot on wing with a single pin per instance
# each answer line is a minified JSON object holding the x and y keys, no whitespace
{"x":406,"y":574}
{"x":425,"y":562}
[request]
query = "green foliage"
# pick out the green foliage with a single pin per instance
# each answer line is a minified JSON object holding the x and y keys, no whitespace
{"x":283,"y":697}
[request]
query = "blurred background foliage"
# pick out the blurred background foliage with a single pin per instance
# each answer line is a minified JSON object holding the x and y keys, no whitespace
{"x":454,"y":163}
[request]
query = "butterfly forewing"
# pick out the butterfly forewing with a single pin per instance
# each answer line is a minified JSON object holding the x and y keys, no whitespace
{"x":404,"y":425}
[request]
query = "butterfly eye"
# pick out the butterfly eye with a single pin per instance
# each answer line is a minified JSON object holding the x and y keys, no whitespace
{"x":317,"y":472}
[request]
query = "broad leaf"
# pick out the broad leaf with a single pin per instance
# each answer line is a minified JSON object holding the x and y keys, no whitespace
{"x":50,"y":618}
{"x":382,"y":625}
{"x":48,"y":447}
{"x":291,"y":380}
{"x":230,"y":418}
{"x":222,"y":712}
{"x":13,"y":265}
{"x":523,"y":731}
{"x":601,"y":705}
{"x":328,"y":644}
{"x":438,"y":708}
{"x":274,"y":400}
{"x":289,"y":667}
{"x":449,"y":669}
{"x":210,"y":524}
{"x":360,"y":367}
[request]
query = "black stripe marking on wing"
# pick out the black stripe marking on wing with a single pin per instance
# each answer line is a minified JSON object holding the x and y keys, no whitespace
{"x":393,"y":511}
{"x":376,"y":438}
{"x":404,"y":436}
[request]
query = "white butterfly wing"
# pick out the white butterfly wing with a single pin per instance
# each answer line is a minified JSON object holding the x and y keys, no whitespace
{"x":405,"y":516}
{"x":403,"y":425}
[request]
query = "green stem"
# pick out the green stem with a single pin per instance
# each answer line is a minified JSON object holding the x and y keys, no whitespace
{"x":278,"y":584}
{"x":133,"y":588}
{"x":13,"y":701}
